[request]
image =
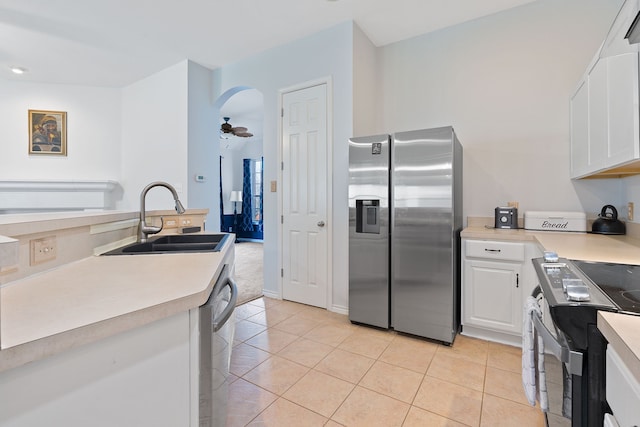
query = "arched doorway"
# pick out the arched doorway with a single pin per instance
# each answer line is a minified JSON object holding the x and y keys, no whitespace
{"x":241,"y":117}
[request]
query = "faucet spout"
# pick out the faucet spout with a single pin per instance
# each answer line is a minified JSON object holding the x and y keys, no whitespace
{"x":145,"y":229}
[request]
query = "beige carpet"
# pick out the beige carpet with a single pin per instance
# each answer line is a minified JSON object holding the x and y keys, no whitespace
{"x":249,"y":271}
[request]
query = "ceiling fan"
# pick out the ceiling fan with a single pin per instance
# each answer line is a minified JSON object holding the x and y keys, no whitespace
{"x":237,"y":131}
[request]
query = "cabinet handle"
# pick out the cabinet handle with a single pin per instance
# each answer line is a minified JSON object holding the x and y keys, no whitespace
{"x":491,"y":250}
{"x":517,"y":279}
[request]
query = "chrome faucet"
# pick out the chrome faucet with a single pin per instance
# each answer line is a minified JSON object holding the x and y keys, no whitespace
{"x":145,"y":229}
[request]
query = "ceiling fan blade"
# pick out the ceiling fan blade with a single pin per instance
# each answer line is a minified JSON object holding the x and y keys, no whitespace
{"x":239,"y":129}
{"x":243,"y":134}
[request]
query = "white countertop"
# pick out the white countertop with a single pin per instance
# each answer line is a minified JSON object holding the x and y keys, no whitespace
{"x":97,"y":297}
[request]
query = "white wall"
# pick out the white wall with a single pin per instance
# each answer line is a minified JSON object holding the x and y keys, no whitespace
{"x":630,"y":193}
{"x":203,"y":147}
{"x":162,"y":127}
{"x":154,"y":137}
{"x":504,"y":82}
{"x":94,"y":129}
{"x":367,"y":111}
{"x":327,"y":53}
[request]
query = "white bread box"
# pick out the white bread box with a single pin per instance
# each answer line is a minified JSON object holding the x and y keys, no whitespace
{"x":556,"y":221}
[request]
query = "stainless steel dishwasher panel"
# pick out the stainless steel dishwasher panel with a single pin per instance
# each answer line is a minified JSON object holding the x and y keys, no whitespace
{"x":217,"y":328}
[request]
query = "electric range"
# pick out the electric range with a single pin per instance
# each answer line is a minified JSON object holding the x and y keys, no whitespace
{"x":573,"y":292}
{"x":620,"y":282}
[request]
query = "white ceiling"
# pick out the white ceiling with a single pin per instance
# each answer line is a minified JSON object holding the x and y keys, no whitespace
{"x":117,"y":42}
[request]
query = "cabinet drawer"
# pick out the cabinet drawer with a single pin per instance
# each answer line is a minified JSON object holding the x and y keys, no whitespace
{"x":495,"y":250}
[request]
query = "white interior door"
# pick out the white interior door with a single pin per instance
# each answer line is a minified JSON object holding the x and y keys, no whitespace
{"x":304,"y":196}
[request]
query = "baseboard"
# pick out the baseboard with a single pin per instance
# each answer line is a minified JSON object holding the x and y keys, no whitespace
{"x":339,"y":309}
{"x":488,"y":335}
{"x":270,"y":294}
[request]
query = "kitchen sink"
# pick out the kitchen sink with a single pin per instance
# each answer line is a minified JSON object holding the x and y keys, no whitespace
{"x":174,"y":243}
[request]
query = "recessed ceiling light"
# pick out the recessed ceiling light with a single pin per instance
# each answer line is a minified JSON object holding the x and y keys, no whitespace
{"x":18,"y":70}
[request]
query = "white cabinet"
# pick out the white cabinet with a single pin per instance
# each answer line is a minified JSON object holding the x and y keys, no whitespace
{"x":493,"y":295}
{"x":622,"y":78}
{"x":605,"y":118}
{"x":492,"y":292}
{"x":598,"y":116}
{"x":580,"y":131}
{"x":623,"y":390}
{"x":497,"y":276}
{"x":140,"y":377}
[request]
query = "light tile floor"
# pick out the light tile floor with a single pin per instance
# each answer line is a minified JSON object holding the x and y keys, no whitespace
{"x":296,"y":365}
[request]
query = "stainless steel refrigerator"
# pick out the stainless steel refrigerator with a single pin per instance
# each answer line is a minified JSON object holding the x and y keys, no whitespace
{"x":405,"y":218}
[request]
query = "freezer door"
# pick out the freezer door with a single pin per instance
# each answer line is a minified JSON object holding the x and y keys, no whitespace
{"x":426,"y":170}
{"x":369,"y":230}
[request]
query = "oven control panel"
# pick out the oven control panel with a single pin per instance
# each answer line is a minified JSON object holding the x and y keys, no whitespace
{"x":564,"y":284}
{"x":560,"y":276}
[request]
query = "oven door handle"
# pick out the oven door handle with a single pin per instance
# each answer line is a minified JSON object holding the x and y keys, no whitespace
{"x":572,"y":359}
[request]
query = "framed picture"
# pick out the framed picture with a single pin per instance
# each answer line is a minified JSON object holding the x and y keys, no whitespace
{"x":48,"y":132}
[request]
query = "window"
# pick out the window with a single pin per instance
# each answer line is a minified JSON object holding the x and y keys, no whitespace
{"x":256,"y":190}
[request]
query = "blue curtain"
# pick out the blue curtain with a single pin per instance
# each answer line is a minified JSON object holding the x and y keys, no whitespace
{"x":247,"y":221}
{"x":221,"y":201}
{"x":260,"y":229}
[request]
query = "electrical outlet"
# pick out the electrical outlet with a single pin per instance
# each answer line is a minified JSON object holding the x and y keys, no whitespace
{"x":274,"y":186}
{"x":630,"y":211}
{"x":42,"y":250}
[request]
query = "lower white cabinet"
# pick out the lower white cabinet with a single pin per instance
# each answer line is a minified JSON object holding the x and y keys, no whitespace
{"x":497,"y":276}
{"x":138,"y":378}
{"x":623,"y":390}
{"x":492,"y":295}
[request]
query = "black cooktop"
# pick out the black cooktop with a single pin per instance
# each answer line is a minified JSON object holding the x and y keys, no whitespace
{"x":620,"y":282}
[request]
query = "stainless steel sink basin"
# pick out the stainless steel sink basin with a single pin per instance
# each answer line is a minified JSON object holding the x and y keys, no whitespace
{"x":174,"y":243}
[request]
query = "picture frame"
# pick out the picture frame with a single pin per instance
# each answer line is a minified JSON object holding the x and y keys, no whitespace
{"x":48,"y":132}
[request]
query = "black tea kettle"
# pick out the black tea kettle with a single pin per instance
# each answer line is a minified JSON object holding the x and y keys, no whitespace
{"x":608,"y":222}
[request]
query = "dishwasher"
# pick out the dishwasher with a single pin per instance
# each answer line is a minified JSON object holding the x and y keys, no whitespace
{"x":217,"y":328}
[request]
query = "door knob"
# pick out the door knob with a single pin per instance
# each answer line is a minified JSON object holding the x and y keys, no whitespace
{"x":320,"y":223}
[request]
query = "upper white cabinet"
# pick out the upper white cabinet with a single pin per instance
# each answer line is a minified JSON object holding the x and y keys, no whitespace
{"x":605,"y":137}
{"x":580,"y":131}
{"x":622,"y":89}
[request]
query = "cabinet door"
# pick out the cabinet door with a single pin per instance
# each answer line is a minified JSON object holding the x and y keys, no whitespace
{"x":598,"y":117}
{"x":580,"y":131}
{"x":492,"y":295}
{"x":622,"y":88}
